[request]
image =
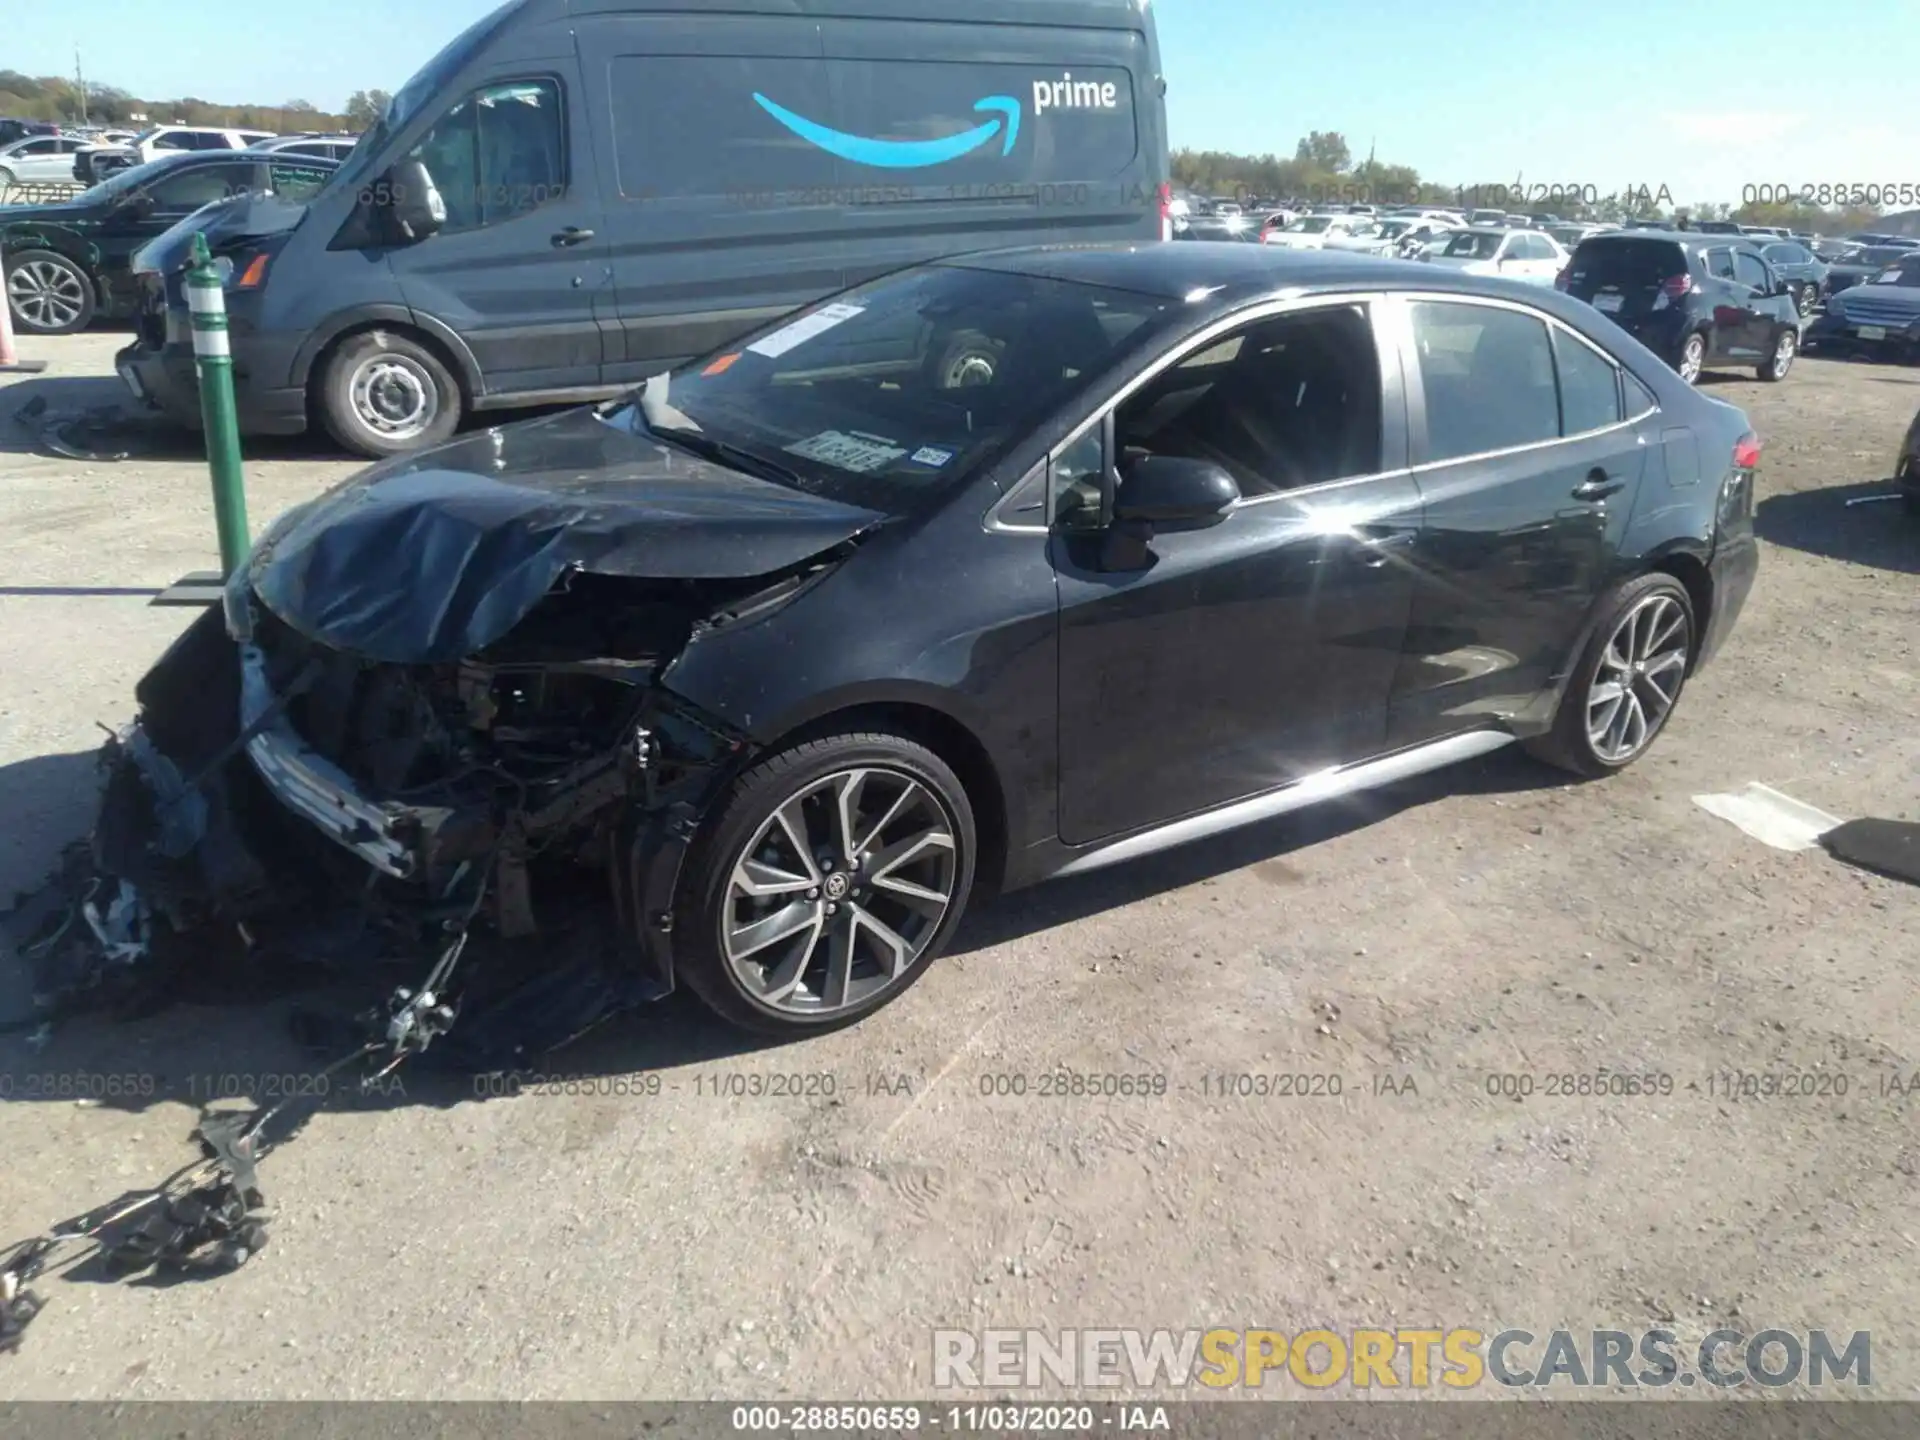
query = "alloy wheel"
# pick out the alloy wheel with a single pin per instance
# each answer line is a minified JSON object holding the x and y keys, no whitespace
{"x":1808,"y":295}
{"x":1692,"y":357}
{"x":394,"y":397}
{"x":1639,"y":677}
{"x":1783,"y":353}
{"x":46,"y":295}
{"x":839,"y":892}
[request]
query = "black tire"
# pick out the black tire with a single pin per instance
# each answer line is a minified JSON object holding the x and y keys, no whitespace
{"x":1569,"y":745}
{"x":394,"y":373}
{"x":702,"y":906}
{"x":75,"y":287}
{"x":6,"y":178}
{"x":1695,"y":340}
{"x":1786,"y":345}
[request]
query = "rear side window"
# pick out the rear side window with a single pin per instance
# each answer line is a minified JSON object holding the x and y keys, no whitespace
{"x":201,"y":185}
{"x":1720,"y":264}
{"x":786,"y":132}
{"x":1488,"y":375}
{"x":1589,"y":386}
{"x":1628,"y":264}
{"x":498,"y":154}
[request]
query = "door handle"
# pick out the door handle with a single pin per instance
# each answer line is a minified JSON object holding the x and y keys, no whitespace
{"x":1379,"y":546}
{"x":1598,"y":486}
{"x":572,"y":235}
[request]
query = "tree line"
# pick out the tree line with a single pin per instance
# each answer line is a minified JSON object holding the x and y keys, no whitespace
{"x":1322,"y":170}
{"x":61,"y":101}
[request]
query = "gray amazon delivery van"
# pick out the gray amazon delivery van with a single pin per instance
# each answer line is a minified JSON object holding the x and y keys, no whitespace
{"x":576,"y":194}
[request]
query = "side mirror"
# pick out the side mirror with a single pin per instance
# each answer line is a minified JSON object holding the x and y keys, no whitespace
{"x":1167,"y":492}
{"x":415,"y":201}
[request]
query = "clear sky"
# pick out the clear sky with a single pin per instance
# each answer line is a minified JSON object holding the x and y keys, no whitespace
{"x":1703,"y":97}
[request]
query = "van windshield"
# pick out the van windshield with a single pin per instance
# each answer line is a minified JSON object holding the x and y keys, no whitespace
{"x":432,"y":78}
{"x":888,"y":393}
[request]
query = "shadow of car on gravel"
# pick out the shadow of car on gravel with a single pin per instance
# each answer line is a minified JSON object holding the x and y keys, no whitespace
{"x":1820,"y":522}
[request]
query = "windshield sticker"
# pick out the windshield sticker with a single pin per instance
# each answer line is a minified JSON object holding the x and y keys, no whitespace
{"x":932,"y":455}
{"x":804,"y":329}
{"x":860,"y":454}
{"x":1892,"y":277}
{"x":722,"y":365}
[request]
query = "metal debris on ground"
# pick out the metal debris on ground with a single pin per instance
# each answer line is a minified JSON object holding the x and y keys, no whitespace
{"x":96,"y":433}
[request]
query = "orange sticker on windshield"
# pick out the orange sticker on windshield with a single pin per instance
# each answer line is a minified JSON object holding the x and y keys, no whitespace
{"x":720,"y":365}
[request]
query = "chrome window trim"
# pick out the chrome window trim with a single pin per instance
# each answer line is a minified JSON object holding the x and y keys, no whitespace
{"x":996,"y":523}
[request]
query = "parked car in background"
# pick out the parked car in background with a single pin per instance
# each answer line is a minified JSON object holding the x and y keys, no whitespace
{"x":1882,"y":315}
{"x":1532,"y":256}
{"x":1426,"y":237}
{"x":1719,"y":227}
{"x":70,"y":261}
{"x":483,"y":246}
{"x":1828,"y":248}
{"x":38,"y":160}
{"x":1486,"y":218}
{"x":1695,"y":300}
{"x":1215,"y":226}
{"x":320,"y":147}
{"x":1204,"y":588}
{"x":1875,"y":237}
{"x":1800,"y":268}
{"x":1316,"y":232}
{"x":1860,"y":263}
{"x":150,"y":144}
{"x":1571,"y":233}
{"x":12,"y":129}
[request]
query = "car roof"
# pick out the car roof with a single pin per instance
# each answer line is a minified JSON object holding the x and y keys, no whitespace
{"x":1231,"y":271}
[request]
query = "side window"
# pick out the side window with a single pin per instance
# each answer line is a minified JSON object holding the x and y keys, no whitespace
{"x":1589,"y":386}
{"x":173,"y":140}
{"x":497,"y":154}
{"x":1076,"y":486}
{"x":1488,"y":376}
{"x":211,"y":140}
{"x":201,"y":185}
{"x":1749,"y":269}
{"x":1640,"y":400}
{"x":37,"y":147}
{"x":1290,"y":401}
{"x":1720,"y":264}
{"x":310,"y":147}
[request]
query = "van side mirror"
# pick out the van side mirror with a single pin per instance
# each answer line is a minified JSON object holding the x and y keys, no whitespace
{"x":417,"y":207}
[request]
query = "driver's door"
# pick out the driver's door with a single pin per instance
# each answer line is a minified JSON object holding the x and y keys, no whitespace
{"x":1241,"y":657}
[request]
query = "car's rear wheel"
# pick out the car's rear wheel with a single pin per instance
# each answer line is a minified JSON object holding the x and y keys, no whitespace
{"x":1693,"y":357}
{"x":1785,"y":346}
{"x":1627,"y":681}
{"x":384,"y":394}
{"x":49,"y":294}
{"x":826,"y":882}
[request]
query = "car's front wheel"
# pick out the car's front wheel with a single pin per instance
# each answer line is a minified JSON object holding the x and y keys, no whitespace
{"x":825,"y":883}
{"x":49,"y":293}
{"x":383,"y":393}
{"x":1693,"y":356}
{"x":1627,"y":681}
{"x":1807,"y":298}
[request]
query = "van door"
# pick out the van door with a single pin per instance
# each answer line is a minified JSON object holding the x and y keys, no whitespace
{"x":519,"y":270}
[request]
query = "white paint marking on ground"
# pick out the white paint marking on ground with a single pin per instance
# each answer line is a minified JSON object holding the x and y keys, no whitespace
{"x":1770,"y":817}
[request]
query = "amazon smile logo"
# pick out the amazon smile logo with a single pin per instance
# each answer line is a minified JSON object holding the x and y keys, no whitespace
{"x":906,"y":154}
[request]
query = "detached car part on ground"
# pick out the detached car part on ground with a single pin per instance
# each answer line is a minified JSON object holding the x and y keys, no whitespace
{"x":781,"y":656}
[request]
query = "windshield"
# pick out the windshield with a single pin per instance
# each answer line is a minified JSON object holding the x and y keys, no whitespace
{"x":1310,"y":224}
{"x":1475,"y":247}
{"x":1906,"y":274}
{"x":890,"y":392}
{"x":1872,"y":255}
{"x":123,"y":182}
{"x":425,"y":86}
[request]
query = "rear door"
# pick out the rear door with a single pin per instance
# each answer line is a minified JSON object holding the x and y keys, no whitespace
{"x":1527,"y":475}
{"x":1764,"y":307}
{"x":519,"y":270}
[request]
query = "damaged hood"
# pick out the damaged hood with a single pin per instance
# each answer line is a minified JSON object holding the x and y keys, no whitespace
{"x":432,"y":557}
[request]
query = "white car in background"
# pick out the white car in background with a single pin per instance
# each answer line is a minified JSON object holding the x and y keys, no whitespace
{"x":1426,"y":237}
{"x":1320,"y":232}
{"x":39,"y":160}
{"x":1530,"y":255}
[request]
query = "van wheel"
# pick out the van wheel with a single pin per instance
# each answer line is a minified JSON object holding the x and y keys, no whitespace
{"x":825,"y":883}
{"x":1627,"y":681}
{"x":49,"y":294}
{"x":384,"y":394}
{"x":965,"y":359}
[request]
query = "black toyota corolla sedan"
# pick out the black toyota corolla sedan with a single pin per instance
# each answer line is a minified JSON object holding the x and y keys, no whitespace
{"x":1000,"y":568}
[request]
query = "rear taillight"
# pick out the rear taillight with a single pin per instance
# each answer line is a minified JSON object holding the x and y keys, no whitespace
{"x":1746,"y":452}
{"x":1675,"y":286}
{"x":1166,"y":211}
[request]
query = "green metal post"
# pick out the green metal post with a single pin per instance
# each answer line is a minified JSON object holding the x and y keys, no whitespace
{"x":213,"y":364}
